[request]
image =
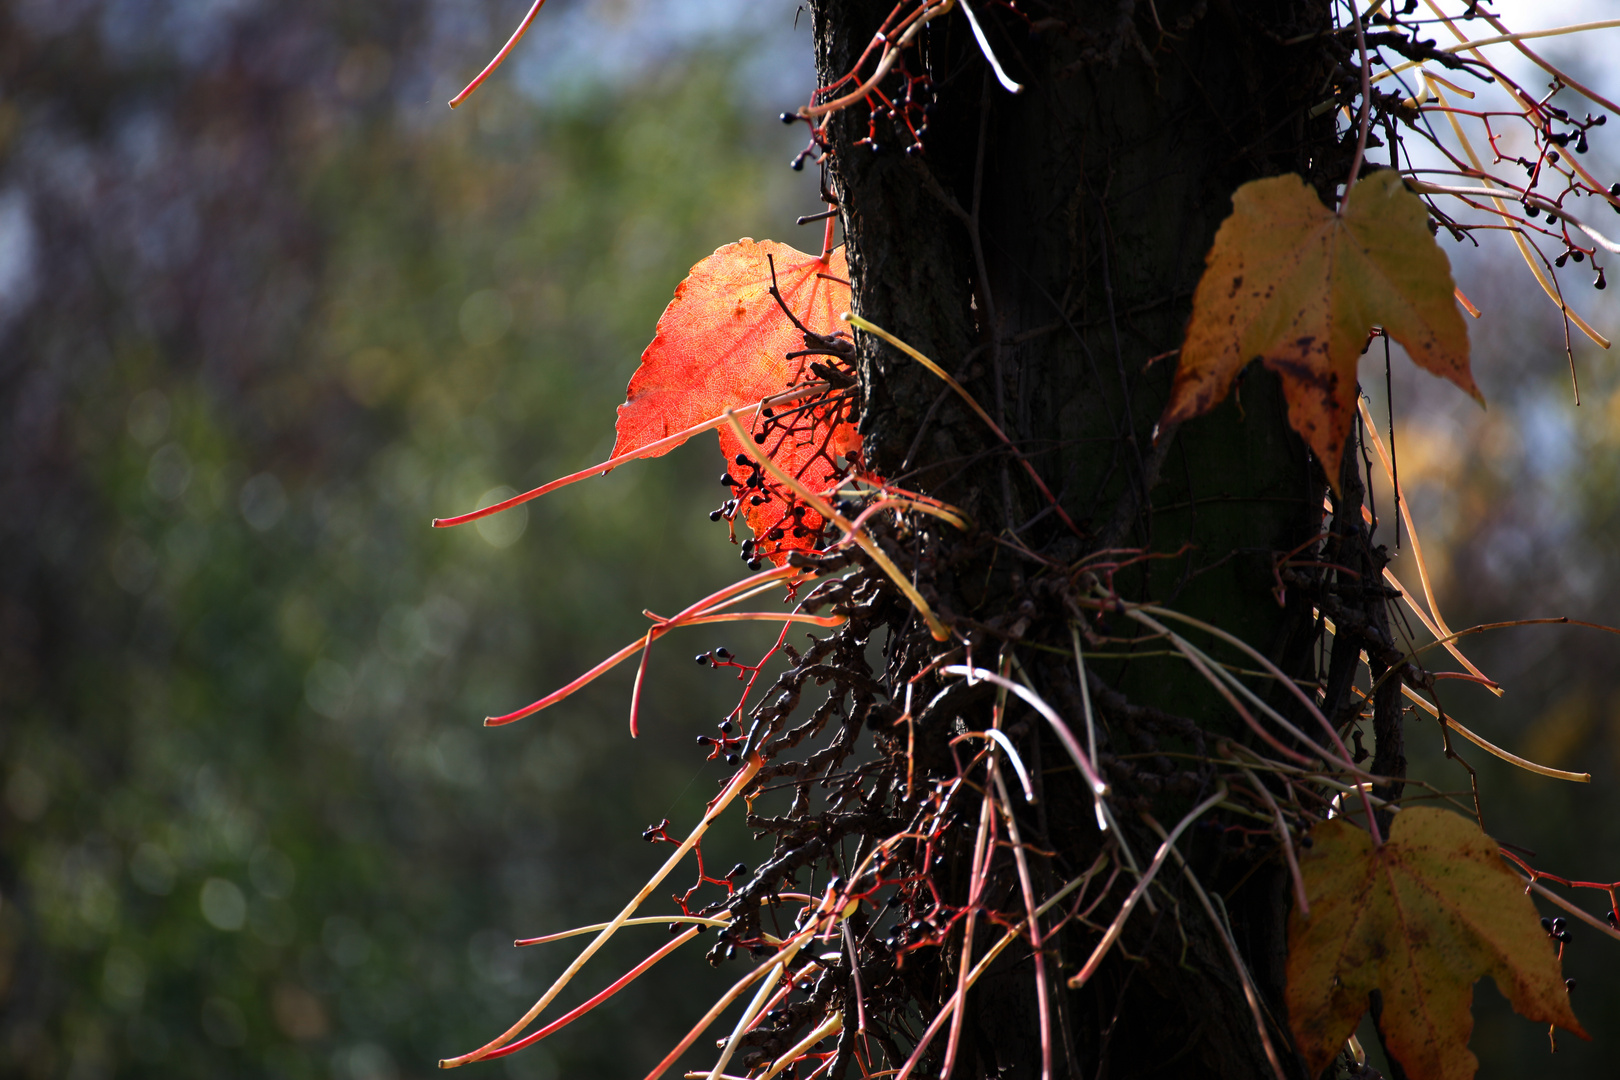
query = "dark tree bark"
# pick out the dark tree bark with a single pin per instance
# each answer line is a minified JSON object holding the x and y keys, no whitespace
{"x":1044,"y":247}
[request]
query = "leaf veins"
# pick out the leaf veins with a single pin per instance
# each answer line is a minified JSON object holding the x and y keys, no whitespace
{"x":1421,"y":919}
{"x":1298,"y":287}
{"x":724,"y":342}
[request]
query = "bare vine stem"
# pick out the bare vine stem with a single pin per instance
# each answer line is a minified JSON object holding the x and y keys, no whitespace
{"x":1365,"y":122}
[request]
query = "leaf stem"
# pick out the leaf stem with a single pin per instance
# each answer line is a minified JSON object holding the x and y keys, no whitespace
{"x":500,"y":57}
{"x":1365,"y":123}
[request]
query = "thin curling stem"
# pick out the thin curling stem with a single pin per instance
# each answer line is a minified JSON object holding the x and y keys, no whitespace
{"x":1249,"y":993}
{"x":878,"y":331}
{"x":1365,"y":123}
{"x":500,"y":57}
{"x":613,"y":988}
{"x":1065,"y":736}
{"x":1117,"y":927}
{"x":739,"y":782}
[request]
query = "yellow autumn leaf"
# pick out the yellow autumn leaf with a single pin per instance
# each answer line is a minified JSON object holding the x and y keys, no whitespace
{"x":1297,"y":286}
{"x":1420,"y":919}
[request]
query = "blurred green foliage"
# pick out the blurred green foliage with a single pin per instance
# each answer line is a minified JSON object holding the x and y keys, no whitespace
{"x":251,"y":824}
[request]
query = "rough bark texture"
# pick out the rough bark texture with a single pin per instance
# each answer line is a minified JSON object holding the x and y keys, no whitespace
{"x":1045,"y":247}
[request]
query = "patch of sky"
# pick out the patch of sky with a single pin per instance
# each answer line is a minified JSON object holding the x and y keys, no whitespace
{"x":577,"y":49}
{"x":18,"y":250}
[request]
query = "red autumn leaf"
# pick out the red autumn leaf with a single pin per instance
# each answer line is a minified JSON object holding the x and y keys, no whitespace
{"x":723,"y":343}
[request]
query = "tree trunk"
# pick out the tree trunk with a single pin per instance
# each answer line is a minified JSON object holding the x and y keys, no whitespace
{"x":1044,"y":248}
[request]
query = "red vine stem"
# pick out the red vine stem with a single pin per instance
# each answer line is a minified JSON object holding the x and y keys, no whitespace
{"x":738,"y":783}
{"x":500,"y":57}
{"x":652,"y":449}
{"x":613,"y":988}
{"x":1537,"y":875}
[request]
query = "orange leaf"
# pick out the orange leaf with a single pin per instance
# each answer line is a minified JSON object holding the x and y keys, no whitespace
{"x":1420,"y":919}
{"x":1291,"y":283}
{"x":722,"y":343}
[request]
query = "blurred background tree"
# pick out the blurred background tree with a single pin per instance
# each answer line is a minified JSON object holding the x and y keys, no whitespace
{"x":266,"y":307}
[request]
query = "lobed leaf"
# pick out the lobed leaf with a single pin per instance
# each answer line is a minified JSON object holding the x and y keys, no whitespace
{"x":1298,"y":287}
{"x":1420,"y":919}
